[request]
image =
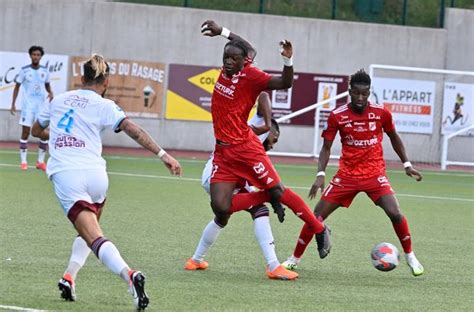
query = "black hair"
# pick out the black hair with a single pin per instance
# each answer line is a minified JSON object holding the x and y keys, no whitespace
{"x":96,"y":69}
{"x":360,"y":77}
{"x":244,"y":46}
{"x":35,"y":48}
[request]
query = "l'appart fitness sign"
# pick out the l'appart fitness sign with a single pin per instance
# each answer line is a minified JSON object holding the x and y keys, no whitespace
{"x":190,"y":90}
{"x":137,"y":87}
{"x":410,"y":101}
{"x":12,"y":62}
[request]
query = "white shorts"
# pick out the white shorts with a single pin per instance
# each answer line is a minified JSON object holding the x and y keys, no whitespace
{"x":89,"y":185}
{"x":27,"y":118}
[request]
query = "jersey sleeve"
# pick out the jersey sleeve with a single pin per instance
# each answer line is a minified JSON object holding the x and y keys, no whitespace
{"x":259,"y":78}
{"x":47,"y":78}
{"x":20,"y":77}
{"x":387,"y":122}
{"x":112,"y":116}
{"x":330,"y":128}
{"x":44,"y":116}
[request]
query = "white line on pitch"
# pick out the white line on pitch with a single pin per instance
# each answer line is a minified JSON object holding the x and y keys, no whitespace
{"x":15,"y":308}
{"x":145,"y":158}
{"x":293,"y":187}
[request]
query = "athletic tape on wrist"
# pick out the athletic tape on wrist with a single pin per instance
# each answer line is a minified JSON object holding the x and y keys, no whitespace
{"x":321,"y":174}
{"x":406,"y":164}
{"x":161,"y":153}
{"x":225,"y":32}
{"x":288,"y":61}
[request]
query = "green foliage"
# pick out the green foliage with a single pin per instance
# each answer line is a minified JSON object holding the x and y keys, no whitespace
{"x":156,"y":222}
{"x":424,"y":13}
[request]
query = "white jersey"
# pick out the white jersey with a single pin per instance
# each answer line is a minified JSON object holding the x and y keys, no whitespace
{"x":76,"y":120}
{"x":32,"y":82}
{"x":257,"y":121}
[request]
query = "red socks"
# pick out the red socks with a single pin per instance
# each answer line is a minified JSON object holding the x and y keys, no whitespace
{"x":244,"y":201}
{"x":403,"y":233}
{"x":302,"y":211}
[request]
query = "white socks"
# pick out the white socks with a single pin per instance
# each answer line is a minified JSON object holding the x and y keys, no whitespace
{"x":264,"y":236}
{"x":79,"y":254}
{"x":110,"y":257}
{"x":42,"y":151}
{"x":23,"y":151}
{"x":208,"y":237}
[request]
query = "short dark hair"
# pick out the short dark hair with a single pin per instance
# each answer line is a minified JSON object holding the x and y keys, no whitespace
{"x":245,"y":47}
{"x":96,"y":69}
{"x":35,"y":48}
{"x":360,"y":77}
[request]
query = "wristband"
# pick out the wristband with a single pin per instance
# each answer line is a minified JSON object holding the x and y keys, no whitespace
{"x":288,"y":61}
{"x":321,"y":174}
{"x":161,"y":153}
{"x":406,"y":164}
{"x":225,"y":33}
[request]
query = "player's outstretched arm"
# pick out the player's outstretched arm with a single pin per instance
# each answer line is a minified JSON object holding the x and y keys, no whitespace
{"x":139,"y":135}
{"x":264,"y":109}
{"x":40,"y":132}
{"x":285,"y":81}
{"x":211,"y":28}
{"x":323,"y":160}
{"x":399,"y":148}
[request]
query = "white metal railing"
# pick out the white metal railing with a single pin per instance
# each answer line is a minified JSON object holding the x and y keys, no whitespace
{"x":317,"y":106}
{"x":444,"y":149}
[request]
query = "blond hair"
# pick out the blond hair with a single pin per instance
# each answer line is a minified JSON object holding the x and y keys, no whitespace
{"x":96,"y":69}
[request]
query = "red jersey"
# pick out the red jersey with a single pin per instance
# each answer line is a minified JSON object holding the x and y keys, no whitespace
{"x":361,"y":138}
{"x":232,"y":100}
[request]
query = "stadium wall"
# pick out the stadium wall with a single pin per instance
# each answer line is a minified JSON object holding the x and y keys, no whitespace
{"x":171,"y":35}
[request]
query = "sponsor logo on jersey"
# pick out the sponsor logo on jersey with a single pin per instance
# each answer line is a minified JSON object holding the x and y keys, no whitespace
{"x":68,"y":141}
{"x":373,"y":116}
{"x":357,"y":123}
{"x":360,"y":129}
{"x":226,"y":91}
{"x":259,"y":168}
{"x":269,"y":180}
{"x":362,"y":143}
{"x":348,"y":125}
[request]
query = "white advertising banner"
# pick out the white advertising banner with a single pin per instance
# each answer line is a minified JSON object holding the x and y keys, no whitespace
{"x":458,"y":107}
{"x":12,"y":62}
{"x":410,"y":101}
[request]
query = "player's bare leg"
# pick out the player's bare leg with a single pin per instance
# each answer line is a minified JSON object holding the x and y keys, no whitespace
{"x":390,"y":205}
{"x":25,"y":133}
{"x":87,"y":226}
{"x":322,"y":210}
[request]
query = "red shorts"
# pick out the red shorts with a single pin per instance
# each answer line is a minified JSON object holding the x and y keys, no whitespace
{"x":81,"y":205}
{"x":343,"y":190}
{"x":247,"y":161}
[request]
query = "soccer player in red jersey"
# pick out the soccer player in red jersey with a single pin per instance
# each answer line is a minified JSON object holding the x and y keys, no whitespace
{"x":238,"y":152}
{"x":361,"y":125}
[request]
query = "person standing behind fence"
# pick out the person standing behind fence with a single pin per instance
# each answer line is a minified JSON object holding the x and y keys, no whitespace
{"x":74,"y":121}
{"x":35,"y":81}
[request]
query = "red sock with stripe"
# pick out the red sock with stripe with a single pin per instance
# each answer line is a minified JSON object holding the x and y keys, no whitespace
{"x":403,"y":233}
{"x":299,"y":207}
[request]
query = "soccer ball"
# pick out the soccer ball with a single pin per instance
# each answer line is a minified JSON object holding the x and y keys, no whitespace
{"x":385,"y":257}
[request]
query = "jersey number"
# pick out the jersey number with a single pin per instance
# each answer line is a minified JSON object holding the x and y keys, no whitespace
{"x":66,"y":121}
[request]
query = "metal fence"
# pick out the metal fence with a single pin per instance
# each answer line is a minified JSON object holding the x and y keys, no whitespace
{"x":424,"y":13}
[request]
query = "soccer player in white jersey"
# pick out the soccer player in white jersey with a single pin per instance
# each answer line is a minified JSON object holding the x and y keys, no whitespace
{"x":77,"y":170}
{"x":268,"y":133}
{"x":34,"y":80}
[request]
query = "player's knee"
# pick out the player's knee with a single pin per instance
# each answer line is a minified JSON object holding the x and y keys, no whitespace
{"x":259,"y":211}
{"x":221,"y":213}
{"x":396,"y":217}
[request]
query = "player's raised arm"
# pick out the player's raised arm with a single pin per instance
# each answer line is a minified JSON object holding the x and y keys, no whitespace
{"x":399,"y":148}
{"x":211,"y":29}
{"x":323,"y":160}
{"x":140,"y":136}
{"x":284,"y":81}
{"x":264,"y":109}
